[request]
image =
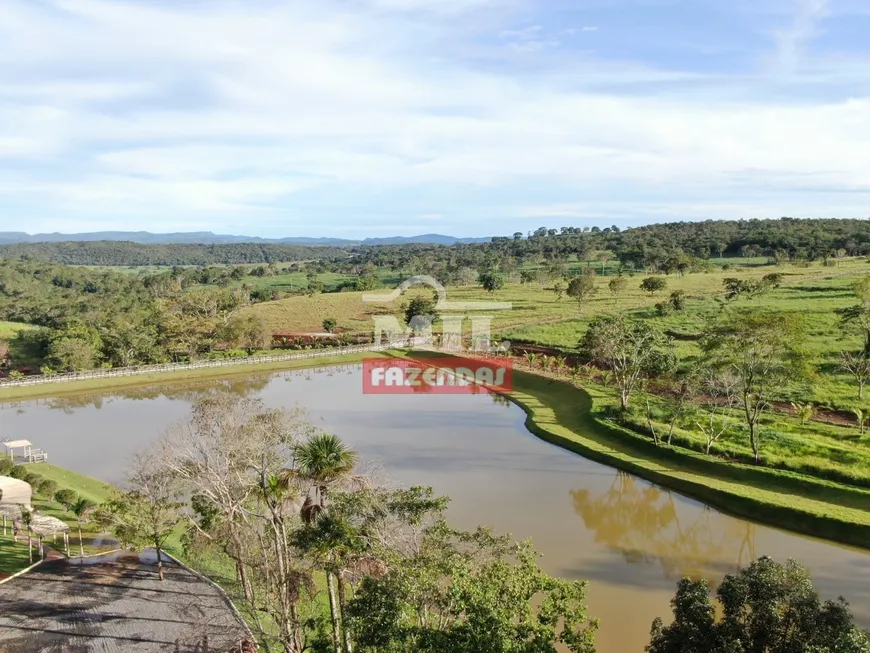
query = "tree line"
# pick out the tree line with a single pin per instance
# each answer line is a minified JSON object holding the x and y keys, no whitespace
{"x":122,"y":253}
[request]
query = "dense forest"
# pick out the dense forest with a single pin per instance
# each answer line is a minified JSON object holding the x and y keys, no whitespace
{"x":647,"y":246}
{"x":133,"y":254}
{"x":660,"y":247}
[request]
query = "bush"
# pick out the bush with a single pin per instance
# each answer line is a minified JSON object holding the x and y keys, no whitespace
{"x":47,"y":487}
{"x":6,"y":466}
{"x":663,"y":309}
{"x":33,"y":479}
{"x":18,"y":472}
{"x":66,"y":497}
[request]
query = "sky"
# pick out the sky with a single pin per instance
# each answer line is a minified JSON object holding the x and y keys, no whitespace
{"x":357,"y":118}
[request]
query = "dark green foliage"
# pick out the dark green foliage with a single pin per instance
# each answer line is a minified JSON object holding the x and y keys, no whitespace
{"x":653,"y":285}
{"x":134,"y":254}
{"x":329,"y":324}
{"x":66,"y":497}
{"x":766,"y":608}
{"x":491,"y":281}
{"x":420,"y":312}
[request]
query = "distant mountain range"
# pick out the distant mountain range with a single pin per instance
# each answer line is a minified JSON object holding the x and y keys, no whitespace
{"x":209,"y":238}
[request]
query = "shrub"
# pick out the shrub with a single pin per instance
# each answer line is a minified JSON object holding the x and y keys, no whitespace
{"x":47,"y":487}
{"x":18,"y":471}
{"x":66,"y":497}
{"x":6,"y":466}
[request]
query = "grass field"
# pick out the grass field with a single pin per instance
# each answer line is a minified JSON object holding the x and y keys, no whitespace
{"x":9,"y":330}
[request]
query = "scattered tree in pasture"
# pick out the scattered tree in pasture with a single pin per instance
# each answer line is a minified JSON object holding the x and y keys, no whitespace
{"x":767,"y":607}
{"x":616,"y":285}
{"x":559,"y":290}
{"x":652,"y":285}
{"x":857,"y":364}
{"x":491,"y":281}
{"x":329,"y":324}
{"x":764,"y":353}
{"x":717,"y":390}
{"x":627,"y":348}
{"x":420,"y":312}
{"x":582,"y":288}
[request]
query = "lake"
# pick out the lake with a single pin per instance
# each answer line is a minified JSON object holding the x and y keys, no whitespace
{"x":631,"y":540}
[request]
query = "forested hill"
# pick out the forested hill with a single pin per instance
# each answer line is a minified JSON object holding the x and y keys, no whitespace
{"x":640,"y":246}
{"x":648,"y":246}
{"x":134,"y":254}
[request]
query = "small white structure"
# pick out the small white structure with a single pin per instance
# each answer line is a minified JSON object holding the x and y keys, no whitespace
{"x":30,"y":454}
{"x":15,"y":491}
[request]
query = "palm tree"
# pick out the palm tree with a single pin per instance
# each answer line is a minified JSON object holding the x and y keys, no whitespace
{"x":27,"y":521}
{"x":804,"y":412}
{"x":861,"y":418}
{"x":82,"y":509}
{"x":323,"y":460}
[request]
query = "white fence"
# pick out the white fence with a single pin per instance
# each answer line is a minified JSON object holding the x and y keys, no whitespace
{"x":198,"y":365}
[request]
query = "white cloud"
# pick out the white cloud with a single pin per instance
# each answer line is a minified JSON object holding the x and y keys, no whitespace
{"x":140,"y":109}
{"x":791,"y":40}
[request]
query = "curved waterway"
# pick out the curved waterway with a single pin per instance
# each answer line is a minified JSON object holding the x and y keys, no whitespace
{"x":631,"y":540}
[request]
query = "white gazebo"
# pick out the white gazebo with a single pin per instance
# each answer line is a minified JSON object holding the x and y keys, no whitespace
{"x":29,"y":454}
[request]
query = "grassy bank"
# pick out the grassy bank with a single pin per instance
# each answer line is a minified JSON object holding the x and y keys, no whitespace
{"x":110,"y":383}
{"x":13,"y":555}
{"x":563,"y":414}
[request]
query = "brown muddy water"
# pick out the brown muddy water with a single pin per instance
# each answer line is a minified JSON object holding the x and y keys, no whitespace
{"x":631,"y":540}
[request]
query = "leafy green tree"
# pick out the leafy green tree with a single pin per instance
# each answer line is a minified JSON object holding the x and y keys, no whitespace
{"x":72,"y":354}
{"x":491,"y":281}
{"x":617,"y":285}
{"x":768,"y":607}
{"x":652,"y":285}
{"x":468,"y":592}
{"x":558,"y":290}
{"x":678,"y":300}
{"x":329,"y":324}
{"x":764,"y":352}
{"x":582,"y":288}
{"x":857,"y":364}
{"x":627,"y":348}
{"x":148,"y":512}
{"x":420,"y":312}
{"x":47,"y":487}
{"x":66,"y":497}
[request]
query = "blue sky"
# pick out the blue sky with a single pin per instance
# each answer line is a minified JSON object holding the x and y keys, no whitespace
{"x":362,"y":118}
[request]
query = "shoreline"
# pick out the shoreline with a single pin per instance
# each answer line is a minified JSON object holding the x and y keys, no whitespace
{"x":559,"y":412}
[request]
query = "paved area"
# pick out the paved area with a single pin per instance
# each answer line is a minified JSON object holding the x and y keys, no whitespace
{"x":115,"y":604}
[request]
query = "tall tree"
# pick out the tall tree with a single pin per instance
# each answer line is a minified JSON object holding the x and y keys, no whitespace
{"x":765,"y":355}
{"x":627,"y":348}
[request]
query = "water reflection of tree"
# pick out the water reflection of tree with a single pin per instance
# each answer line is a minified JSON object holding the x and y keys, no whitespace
{"x":641,"y":521}
{"x":189,"y":391}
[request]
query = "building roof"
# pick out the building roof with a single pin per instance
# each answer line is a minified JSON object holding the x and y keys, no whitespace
{"x":14,"y":490}
{"x":14,"y":444}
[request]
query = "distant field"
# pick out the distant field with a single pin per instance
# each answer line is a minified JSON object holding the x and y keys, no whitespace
{"x":10,"y":329}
